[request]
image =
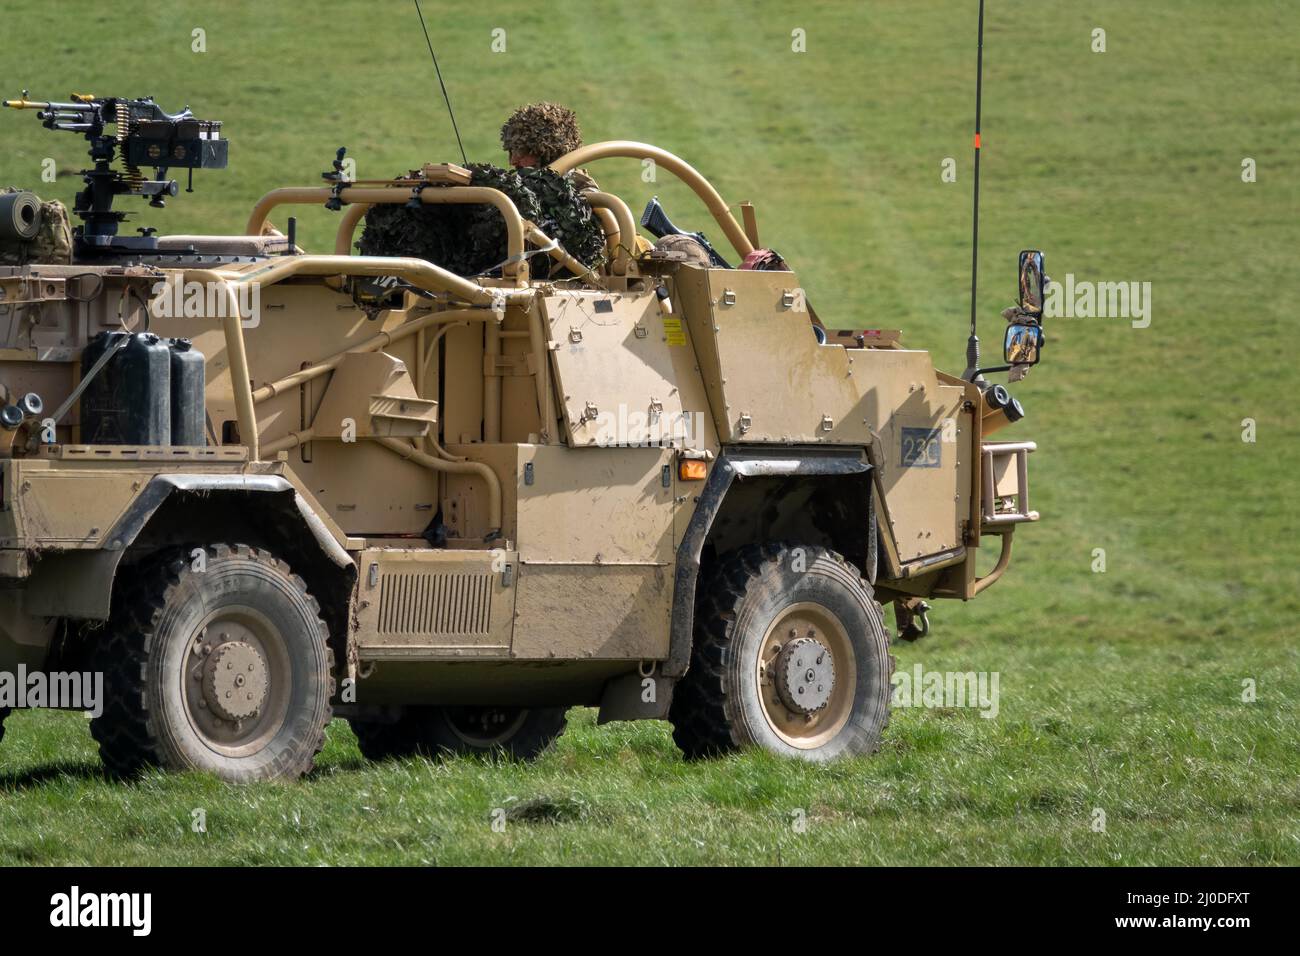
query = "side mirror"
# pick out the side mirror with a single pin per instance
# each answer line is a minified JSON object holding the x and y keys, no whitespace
{"x":1023,"y":344}
{"x":1031,"y":282}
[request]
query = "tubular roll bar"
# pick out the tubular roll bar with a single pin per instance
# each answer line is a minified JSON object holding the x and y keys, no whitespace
{"x":675,"y":165}
{"x":624,"y":249}
{"x":516,"y":266}
{"x":607,"y":205}
{"x":419,"y":273}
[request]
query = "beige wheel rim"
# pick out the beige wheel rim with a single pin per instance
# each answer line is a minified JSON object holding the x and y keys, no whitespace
{"x":235,"y":681}
{"x":485,"y":727}
{"x":806,"y":673}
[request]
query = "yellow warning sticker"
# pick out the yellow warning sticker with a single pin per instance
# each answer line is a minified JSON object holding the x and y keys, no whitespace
{"x":674,"y":334}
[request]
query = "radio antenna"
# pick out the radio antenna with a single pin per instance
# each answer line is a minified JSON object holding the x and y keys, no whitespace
{"x":443,"y":85}
{"x":973,"y":343}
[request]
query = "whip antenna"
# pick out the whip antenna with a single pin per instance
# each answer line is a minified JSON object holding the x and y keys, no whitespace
{"x":973,"y":343}
{"x":447,"y":98}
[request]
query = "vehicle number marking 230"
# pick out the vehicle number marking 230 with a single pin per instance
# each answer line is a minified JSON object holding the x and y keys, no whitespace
{"x":921,"y":448}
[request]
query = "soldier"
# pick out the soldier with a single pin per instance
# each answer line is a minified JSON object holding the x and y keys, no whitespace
{"x":539,"y":134}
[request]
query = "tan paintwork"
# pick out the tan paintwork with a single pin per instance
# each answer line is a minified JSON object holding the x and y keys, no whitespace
{"x":756,"y":352}
{"x":49,"y":503}
{"x":544,"y":422}
{"x":614,"y":368}
{"x":432,"y":603}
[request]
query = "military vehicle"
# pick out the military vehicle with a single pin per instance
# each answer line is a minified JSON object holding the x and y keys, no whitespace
{"x":257,"y":487}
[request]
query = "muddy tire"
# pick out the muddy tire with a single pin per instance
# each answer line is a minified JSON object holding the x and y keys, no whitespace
{"x":521,"y":733}
{"x":791,"y":655}
{"x":226,"y":669}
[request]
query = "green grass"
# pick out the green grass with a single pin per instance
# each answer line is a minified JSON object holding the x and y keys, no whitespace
{"x":1160,"y":741}
{"x":1119,"y":690}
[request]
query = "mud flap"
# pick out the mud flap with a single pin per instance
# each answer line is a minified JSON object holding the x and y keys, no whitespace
{"x":76,"y":584}
{"x":636,"y":697}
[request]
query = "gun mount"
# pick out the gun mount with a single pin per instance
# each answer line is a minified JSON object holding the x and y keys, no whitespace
{"x":144,"y":135}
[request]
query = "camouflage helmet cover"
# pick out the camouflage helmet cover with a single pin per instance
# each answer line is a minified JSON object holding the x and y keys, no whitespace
{"x":545,"y":130}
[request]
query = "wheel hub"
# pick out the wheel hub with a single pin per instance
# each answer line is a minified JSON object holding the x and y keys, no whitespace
{"x":235,"y":681}
{"x":805,"y":675}
{"x":484,"y":725}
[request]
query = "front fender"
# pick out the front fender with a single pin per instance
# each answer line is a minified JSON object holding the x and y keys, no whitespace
{"x":732,"y":464}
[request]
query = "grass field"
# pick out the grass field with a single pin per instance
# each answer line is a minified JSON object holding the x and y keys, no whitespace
{"x":1120,"y":691}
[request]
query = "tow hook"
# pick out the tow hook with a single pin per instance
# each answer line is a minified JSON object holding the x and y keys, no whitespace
{"x":913,"y":622}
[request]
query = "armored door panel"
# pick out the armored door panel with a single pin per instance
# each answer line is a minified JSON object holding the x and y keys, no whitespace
{"x":617,"y":611}
{"x":772,"y":382}
{"x":596,"y":552}
{"x":614,"y":369}
{"x":596,"y":506}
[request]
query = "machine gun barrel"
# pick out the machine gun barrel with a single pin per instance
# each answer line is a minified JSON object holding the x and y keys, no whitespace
{"x":26,"y":104}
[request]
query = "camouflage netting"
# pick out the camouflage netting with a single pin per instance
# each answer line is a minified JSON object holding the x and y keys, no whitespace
{"x":566,"y":216}
{"x":545,"y":131}
{"x":471,"y":240}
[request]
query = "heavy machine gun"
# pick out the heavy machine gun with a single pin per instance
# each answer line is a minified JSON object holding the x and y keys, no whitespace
{"x":143,"y":135}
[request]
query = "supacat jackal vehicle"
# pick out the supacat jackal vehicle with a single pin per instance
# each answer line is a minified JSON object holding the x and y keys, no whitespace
{"x":255,"y":487}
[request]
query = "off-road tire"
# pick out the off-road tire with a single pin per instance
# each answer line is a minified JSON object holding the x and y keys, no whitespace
{"x":525,"y":733}
{"x":156,"y":675}
{"x":719,"y":705}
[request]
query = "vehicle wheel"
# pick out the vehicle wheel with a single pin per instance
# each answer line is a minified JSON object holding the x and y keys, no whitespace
{"x":225,"y":669}
{"x":791,"y":655}
{"x":519,"y":732}
{"x":384,"y":740}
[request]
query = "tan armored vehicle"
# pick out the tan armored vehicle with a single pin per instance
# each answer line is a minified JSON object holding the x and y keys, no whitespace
{"x":450,"y":508}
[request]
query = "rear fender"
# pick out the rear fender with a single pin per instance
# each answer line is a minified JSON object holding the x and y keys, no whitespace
{"x":79,"y":584}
